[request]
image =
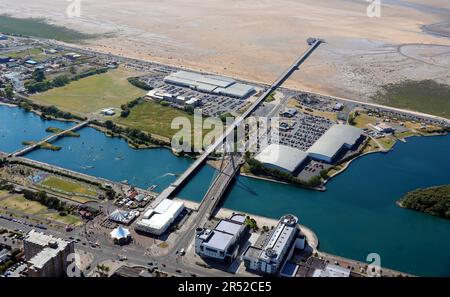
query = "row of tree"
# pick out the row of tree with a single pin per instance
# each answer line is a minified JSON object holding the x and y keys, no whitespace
{"x":135,"y":81}
{"x":136,"y":136}
{"x":41,"y":84}
{"x":44,"y":199}
{"x":48,"y":111}
{"x":127,"y":107}
{"x":7,"y":92}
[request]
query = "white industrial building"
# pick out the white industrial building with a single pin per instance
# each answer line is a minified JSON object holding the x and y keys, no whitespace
{"x":270,"y":258}
{"x":338,"y":137}
{"x":174,"y":98}
{"x":210,"y":84}
{"x":157,"y":220}
{"x":222,"y":242}
{"x":281,"y":157}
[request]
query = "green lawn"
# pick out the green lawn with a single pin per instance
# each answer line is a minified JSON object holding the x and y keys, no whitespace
{"x":362,"y":120}
{"x":34,"y":53}
{"x":19,"y":203}
{"x":68,"y":186}
{"x":68,"y":219}
{"x":425,"y":96}
{"x":153,"y":118}
{"x":92,"y":93}
{"x":39,"y":28}
{"x":386,"y":142}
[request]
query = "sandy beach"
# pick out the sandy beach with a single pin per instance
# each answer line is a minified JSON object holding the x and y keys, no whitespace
{"x":257,"y":39}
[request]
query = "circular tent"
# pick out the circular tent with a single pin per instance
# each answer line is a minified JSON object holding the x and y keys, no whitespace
{"x":118,"y":215}
{"x":120,"y":235}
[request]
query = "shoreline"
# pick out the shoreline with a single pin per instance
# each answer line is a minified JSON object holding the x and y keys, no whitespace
{"x":224,"y":213}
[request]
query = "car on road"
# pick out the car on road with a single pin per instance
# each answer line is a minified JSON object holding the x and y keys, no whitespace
{"x":182,"y":252}
{"x":123,"y":258}
{"x":178,"y":271}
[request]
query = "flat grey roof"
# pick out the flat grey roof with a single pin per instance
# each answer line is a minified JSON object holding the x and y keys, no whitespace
{"x":334,"y":139}
{"x":218,"y":240}
{"x":228,"y":227}
{"x":278,"y":240}
{"x":253,"y":252}
{"x":282,"y":156}
{"x":210,"y":83}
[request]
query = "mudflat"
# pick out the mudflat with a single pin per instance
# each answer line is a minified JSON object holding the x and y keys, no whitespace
{"x":257,"y":39}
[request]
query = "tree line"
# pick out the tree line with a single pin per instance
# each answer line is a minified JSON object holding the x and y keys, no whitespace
{"x":434,"y":201}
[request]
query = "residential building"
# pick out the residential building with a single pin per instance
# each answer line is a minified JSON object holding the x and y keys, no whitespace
{"x":269,"y":256}
{"x":46,"y":255}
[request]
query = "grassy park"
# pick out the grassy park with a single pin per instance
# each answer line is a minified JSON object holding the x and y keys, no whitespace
{"x":92,"y":93}
{"x":19,"y":203}
{"x":68,"y":186}
{"x":154,"y":118}
{"x":362,"y":120}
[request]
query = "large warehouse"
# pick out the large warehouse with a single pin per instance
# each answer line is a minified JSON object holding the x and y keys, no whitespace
{"x":338,"y":137}
{"x":282,"y":157}
{"x":210,"y":84}
{"x":157,"y":220}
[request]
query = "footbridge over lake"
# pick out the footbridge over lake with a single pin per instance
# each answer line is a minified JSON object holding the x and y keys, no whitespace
{"x":48,"y":139}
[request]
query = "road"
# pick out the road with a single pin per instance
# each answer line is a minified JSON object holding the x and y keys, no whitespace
{"x":170,"y":191}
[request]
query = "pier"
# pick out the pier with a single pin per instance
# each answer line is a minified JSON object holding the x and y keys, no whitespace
{"x":176,"y":186}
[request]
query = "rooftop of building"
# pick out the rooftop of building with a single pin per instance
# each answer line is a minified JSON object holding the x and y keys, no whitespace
{"x":282,"y":156}
{"x":279,"y":238}
{"x":334,"y":138}
{"x":224,"y":233}
{"x":210,"y":83}
{"x":51,"y":246}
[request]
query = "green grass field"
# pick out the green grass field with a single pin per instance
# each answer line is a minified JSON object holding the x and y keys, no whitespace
{"x":39,"y":28}
{"x":154,"y":118}
{"x":386,"y":142}
{"x":362,"y":120}
{"x":68,"y":186}
{"x":92,"y":93}
{"x":425,"y":96}
{"x":33,"y":53}
{"x":68,"y":219}
{"x":19,"y":203}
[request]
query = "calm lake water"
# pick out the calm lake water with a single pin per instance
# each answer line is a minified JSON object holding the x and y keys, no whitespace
{"x":356,"y":216}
